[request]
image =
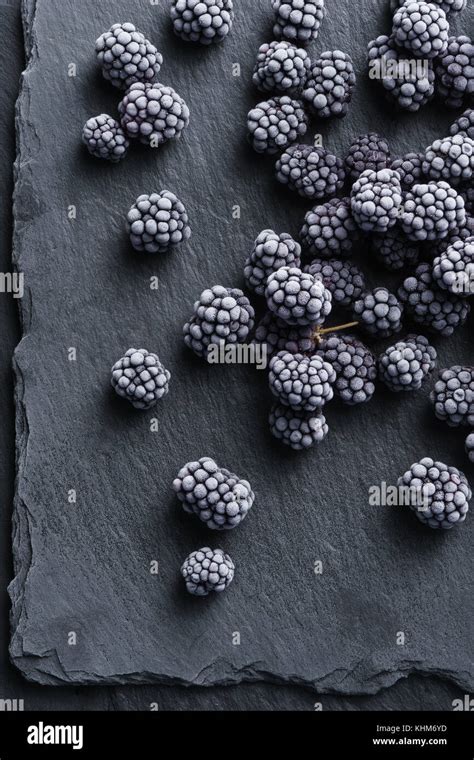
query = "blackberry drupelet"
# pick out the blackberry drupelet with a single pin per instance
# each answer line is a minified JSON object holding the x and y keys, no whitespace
{"x":126,"y":56}
{"x":470,"y":447}
{"x":379,"y":313}
{"x":299,"y":430}
{"x":281,"y":67}
{"x":297,"y":297}
{"x":275,"y":124}
{"x":454,"y":269}
{"x":428,"y":305}
{"x":157,"y":222}
{"x":141,"y":378}
{"x":422,"y":28}
{"x":432,"y":211}
{"x":313,"y":173}
{"x":330,"y":229}
{"x":277,"y":335}
{"x":105,"y":138}
{"x":453,"y":396}
{"x":409,"y":167}
{"x":394,"y":250}
{"x":451,"y":159}
{"x":355,"y":367}
{"x":376,"y":198}
{"x":329,"y":87}
{"x":408,"y":87}
{"x":440,"y":495}
{"x":298,"y":20}
{"x":203,"y":21}
{"x":221,"y":316}
{"x":464,"y":124}
{"x":369,"y":151}
{"x":207,"y":570}
{"x":455,"y":73}
{"x":407,"y":364}
{"x":270,"y":253}
{"x":153,"y":113}
{"x":345,"y":281}
{"x":305,"y":383}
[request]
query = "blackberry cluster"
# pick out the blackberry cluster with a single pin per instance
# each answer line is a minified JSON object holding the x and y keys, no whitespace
{"x":277,"y":335}
{"x":440,"y":494}
{"x":454,"y":269}
{"x":430,"y":306}
{"x":464,"y":124}
{"x":422,"y":28}
{"x":379,"y":312}
{"x":105,"y":138}
{"x":432,"y":211}
{"x":328,"y":90}
{"x":376,"y":198}
{"x":297,"y":297}
{"x":408,"y":88}
{"x":470,"y":447}
{"x":345,"y":282}
{"x":453,"y":396}
{"x":203,"y":21}
{"x":157,"y":221}
{"x":311,"y":172}
{"x":153,"y":113}
{"x":455,"y":73}
{"x":141,"y":378}
{"x":305,"y":383}
{"x":407,"y":364}
{"x":330,"y":229}
{"x":270,"y":253}
{"x":369,"y":151}
{"x":355,"y":368}
{"x":281,"y":67}
{"x":221,"y":316}
{"x":275,"y":124}
{"x":410,"y":169}
{"x":298,"y":20}
{"x":216,"y":496}
{"x":451,"y":159}
{"x":126,"y":56}
{"x":299,"y":430}
{"x":450,"y":7}
{"x":207,"y":570}
{"x":394,"y":250}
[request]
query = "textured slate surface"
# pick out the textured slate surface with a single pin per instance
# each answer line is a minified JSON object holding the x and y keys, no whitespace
{"x":383,"y":573}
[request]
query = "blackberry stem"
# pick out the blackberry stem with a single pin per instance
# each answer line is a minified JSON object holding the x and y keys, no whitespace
{"x":318,"y":332}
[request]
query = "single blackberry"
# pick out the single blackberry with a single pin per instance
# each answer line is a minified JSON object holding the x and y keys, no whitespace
{"x":470,"y":447}
{"x":369,"y":151}
{"x":222,"y":316}
{"x":281,"y":67}
{"x":464,"y":124}
{"x":297,"y":297}
{"x":311,"y":172}
{"x":105,"y":138}
{"x":203,"y":21}
{"x":406,"y":85}
{"x":455,"y":73}
{"x":157,"y":221}
{"x":451,"y":159}
{"x":126,"y":56}
{"x":329,"y":87}
{"x":330,"y":229}
{"x":432,"y":211}
{"x":407,"y":364}
{"x":275,"y":124}
{"x":277,"y":335}
{"x":270,"y":253}
{"x":346,"y":282}
{"x":450,"y":7}
{"x":355,"y":367}
{"x":428,"y":305}
{"x":439,"y":495}
{"x":376,"y":198}
{"x":379,"y":312}
{"x":453,"y":396}
{"x":215,"y":495}
{"x":454,"y":269}
{"x":394,"y":250}
{"x":153,"y":113}
{"x":299,"y":430}
{"x":141,"y":378}
{"x":207,"y":570}
{"x":305,"y":383}
{"x":422,"y":28}
{"x":298,"y":20}
{"x":409,"y":167}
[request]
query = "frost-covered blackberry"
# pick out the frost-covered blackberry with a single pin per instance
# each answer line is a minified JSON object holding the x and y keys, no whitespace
{"x":328,"y":90}
{"x":270,"y":252}
{"x":428,"y":305}
{"x":153,"y":113}
{"x":222,"y":316}
{"x":297,"y":297}
{"x":450,"y":7}
{"x":368,"y":151}
{"x":207,"y":570}
{"x":277,"y":335}
{"x":203,"y":21}
{"x":330,"y":229}
{"x":157,"y":222}
{"x":105,"y":138}
{"x":313,"y":173}
{"x":215,"y":495}
{"x":299,"y":430}
{"x":453,"y":396}
{"x":275,"y":124}
{"x":305,"y":383}
{"x":406,"y":85}
{"x":432,"y":211}
{"x":141,"y":378}
{"x":355,"y":368}
{"x":407,"y":364}
{"x":455,"y":73}
{"x":376,"y":198}
{"x":470,"y":447}
{"x":451,"y":159}
{"x":410,"y":169}
{"x":394,"y":250}
{"x":281,"y":67}
{"x":454,"y":269}
{"x":345,"y":281}
{"x":422,"y":28}
{"x":126,"y":56}
{"x":464,"y":124}
{"x":298,"y":20}
{"x":379,"y":313}
{"x":440,"y":495}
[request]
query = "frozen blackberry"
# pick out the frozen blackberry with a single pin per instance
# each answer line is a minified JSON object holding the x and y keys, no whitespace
{"x":439,"y":495}
{"x":270,"y":253}
{"x":428,"y":305}
{"x":454,"y":269}
{"x":455,"y":73}
{"x":422,"y":28}
{"x":438,"y":247}
{"x":105,"y":138}
{"x":409,"y":167}
{"x":277,"y":335}
{"x":432,"y":211}
{"x":298,"y":20}
{"x":470,"y":447}
{"x":379,"y":313}
{"x":203,"y":21}
{"x":346,"y":282}
{"x":153,"y":113}
{"x":355,"y":368}
{"x":464,"y":124}
{"x":453,"y":396}
{"x":305,"y":383}
{"x":218,"y":497}
{"x":394,"y":250}
{"x":328,"y":90}
{"x":126,"y":56}
{"x":222,"y":316}
{"x":299,"y":430}
{"x":275,"y":124}
{"x":330,"y":229}
{"x":376,"y":198}
{"x":281,"y":67}
{"x":157,"y":222}
{"x":141,"y":378}
{"x":450,"y":7}
{"x":367,"y":152}
{"x":451,"y":159}
{"x":407,"y":364}
{"x":406,"y":85}
{"x":311,"y":172}
{"x":297,"y":297}
{"x":207,"y":570}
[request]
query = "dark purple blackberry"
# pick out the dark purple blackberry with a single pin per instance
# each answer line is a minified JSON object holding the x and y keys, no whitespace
{"x":313,"y":173}
{"x":454,"y":270}
{"x":330,"y":229}
{"x":376,"y":198}
{"x":203,"y":21}
{"x":464,"y":124}
{"x":428,"y":305}
{"x":439,"y":495}
{"x":126,"y":56}
{"x":277,"y":335}
{"x":141,"y":378}
{"x":299,"y":430}
{"x":207,"y":570}
{"x":394,"y":250}
{"x":105,"y":138}
{"x":281,"y":67}
{"x":270,"y":253}
{"x":345,"y":282}
{"x":453,"y":396}
{"x":297,"y":297}
{"x":470,"y":447}
{"x":455,"y":73}
{"x":222,"y":316}
{"x":369,"y":151}
{"x":407,"y":364}
{"x":298,"y":20}
{"x":153,"y":113}
{"x":432,"y":211}
{"x":305,"y":383}
{"x":275,"y":124}
{"x":450,"y":7}
{"x":451,"y":159}
{"x":409,"y":84}
{"x":421,"y":28}
{"x":379,"y":313}
{"x":329,"y":87}
{"x":355,"y":367}
{"x":157,"y":222}
{"x":409,"y":167}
